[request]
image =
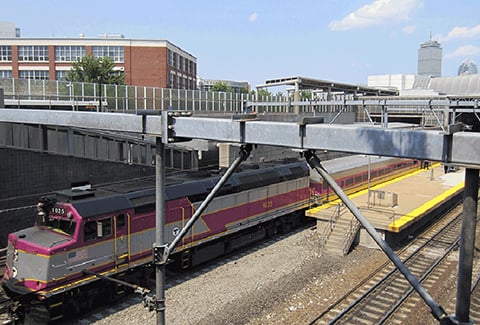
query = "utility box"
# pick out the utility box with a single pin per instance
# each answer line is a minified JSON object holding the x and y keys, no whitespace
{"x":383,"y":198}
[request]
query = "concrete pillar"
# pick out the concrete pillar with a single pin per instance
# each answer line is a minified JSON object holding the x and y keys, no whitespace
{"x":296,"y":98}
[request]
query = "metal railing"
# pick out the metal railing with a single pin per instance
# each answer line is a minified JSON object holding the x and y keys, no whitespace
{"x":350,"y":236}
{"x":129,"y":99}
{"x":331,"y":224}
{"x":433,"y":111}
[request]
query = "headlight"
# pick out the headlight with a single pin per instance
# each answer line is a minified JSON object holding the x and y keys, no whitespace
{"x":14,"y":272}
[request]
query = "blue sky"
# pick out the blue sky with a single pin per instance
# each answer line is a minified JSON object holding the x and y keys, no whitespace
{"x":256,"y":40}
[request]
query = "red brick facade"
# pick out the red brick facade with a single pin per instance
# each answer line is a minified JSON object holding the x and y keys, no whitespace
{"x":145,"y":62}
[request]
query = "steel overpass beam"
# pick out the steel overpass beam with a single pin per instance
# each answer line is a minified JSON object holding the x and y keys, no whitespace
{"x":453,"y":147}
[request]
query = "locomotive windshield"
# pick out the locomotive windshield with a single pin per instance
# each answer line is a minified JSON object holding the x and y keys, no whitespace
{"x":56,"y":219}
{"x":59,"y":224}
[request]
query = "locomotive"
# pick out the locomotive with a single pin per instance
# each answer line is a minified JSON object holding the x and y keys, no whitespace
{"x":50,"y":268}
{"x":110,"y":231}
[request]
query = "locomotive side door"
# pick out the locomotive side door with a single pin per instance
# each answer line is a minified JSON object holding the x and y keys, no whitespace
{"x":122,"y":238}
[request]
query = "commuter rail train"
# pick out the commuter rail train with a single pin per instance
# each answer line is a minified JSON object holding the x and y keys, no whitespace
{"x":110,"y":230}
{"x":357,"y":172}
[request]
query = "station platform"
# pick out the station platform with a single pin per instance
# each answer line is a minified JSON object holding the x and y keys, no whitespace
{"x":396,"y":208}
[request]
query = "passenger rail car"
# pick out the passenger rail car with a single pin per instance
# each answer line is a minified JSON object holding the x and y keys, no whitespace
{"x":110,"y":230}
{"x":357,"y":172}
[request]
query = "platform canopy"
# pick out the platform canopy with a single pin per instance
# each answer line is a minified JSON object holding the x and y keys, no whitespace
{"x":301,"y":83}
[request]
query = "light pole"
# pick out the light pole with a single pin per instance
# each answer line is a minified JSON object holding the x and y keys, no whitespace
{"x":368,"y":182}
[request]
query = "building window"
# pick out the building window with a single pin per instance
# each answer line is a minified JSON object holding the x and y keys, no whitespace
{"x":34,"y":74}
{"x":69,"y":53}
{"x":182,"y":63}
{"x":171,"y":80}
{"x":5,"y":73}
{"x":116,"y":53}
{"x":5,"y":53}
{"x":60,"y":75}
{"x":32,"y":53}
{"x":171,"y":58}
{"x":193,"y":69}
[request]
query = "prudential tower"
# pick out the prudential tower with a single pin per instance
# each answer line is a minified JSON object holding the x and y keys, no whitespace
{"x":430,"y":59}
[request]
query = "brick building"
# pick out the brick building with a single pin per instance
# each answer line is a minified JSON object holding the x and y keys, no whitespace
{"x":153,"y":63}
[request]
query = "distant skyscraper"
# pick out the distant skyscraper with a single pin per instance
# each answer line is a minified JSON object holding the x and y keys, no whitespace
{"x":467,"y":67}
{"x":430,"y":59}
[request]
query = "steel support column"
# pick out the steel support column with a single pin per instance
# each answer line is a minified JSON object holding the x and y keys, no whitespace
{"x":467,"y":246}
{"x":161,"y":250}
{"x":437,"y":310}
{"x":160,"y":229}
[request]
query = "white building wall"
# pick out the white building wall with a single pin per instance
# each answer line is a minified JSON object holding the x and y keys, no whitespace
{"x":398,"y":81}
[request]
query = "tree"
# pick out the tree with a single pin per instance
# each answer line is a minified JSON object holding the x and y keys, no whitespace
{"x":263,"y":92}
{"x":221,"y":86}
{"x":306,"y":94}
{"x":95,"y":70}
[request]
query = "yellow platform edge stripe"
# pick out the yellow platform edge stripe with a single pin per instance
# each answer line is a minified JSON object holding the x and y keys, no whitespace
{"x":311,"y":212}
{"x":397,"y":225}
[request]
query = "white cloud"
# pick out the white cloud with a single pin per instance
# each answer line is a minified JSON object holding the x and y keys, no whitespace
{"x":253,"y":17}
{"x":409,"y":29}
{"x":460,"y":33}
{"x":464,"y":51}
{"x":376,"y":12}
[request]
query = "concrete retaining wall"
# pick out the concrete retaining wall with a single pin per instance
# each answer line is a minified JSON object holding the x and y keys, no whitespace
{"x":27,"y":175}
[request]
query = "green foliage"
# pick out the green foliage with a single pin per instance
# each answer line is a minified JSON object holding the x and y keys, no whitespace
{"x":221,"y":86}
{"x":263,"y":92}
{"x":307,"y":94}
{"x":95,"y":70}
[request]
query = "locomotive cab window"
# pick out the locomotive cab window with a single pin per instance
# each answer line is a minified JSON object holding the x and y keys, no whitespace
{"x":104,"y":227}
{"x":98,"y":229}
{"x":90,"y":230}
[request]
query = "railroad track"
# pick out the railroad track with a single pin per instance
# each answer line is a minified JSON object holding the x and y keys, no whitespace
{"x":386,"y":296}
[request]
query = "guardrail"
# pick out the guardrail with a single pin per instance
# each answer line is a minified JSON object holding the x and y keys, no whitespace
{"x":123,"y":98}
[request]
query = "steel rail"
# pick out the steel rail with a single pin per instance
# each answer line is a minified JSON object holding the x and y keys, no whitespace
{"x":421,"y":279}
{"x":391,"y":273}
